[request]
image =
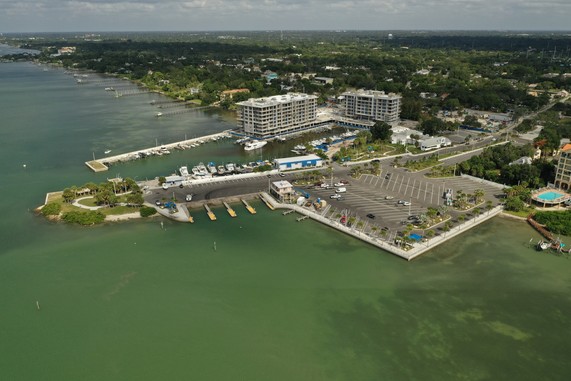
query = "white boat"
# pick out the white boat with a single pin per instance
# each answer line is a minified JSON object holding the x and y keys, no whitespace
{"x":109,"y":89}
{"x":299,"y":147}
{"x":212,"y":168}
{"x":107,"y":151}
{"x":159,"y":114}
{"x":230,"y":167}
{"x":221,"y":170}
{"x":202,"y":169}
{"x":184,"y":171}
{"x":543,"y":245}
{"x":255,"y":145}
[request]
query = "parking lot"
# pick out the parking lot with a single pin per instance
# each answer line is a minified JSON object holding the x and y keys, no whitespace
{"x":396,"y":196}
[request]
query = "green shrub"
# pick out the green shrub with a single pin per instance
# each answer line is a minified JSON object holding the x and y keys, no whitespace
{"x":51,"y":209}
{"x":147,"y":211}
{"x":91,"y":217}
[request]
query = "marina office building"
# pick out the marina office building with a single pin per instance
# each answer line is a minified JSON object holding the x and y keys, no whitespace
{"x":277,"y":115}
{"x":372,"y":104}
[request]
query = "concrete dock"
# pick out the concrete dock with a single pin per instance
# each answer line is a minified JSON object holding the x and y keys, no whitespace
{"x":249,"y":207}
{"x":229,"y":209}
{"x":101,"y":164}
{"x":211,"y":215}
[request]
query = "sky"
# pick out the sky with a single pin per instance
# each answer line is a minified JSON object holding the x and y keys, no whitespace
{"x":20,"y":16}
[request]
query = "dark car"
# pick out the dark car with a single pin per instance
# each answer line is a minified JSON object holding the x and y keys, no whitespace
{"x":388,"y":176}
{"x":371,"y":216}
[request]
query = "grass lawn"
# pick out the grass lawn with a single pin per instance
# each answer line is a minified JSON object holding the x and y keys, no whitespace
{"x":88,"y":202}
{"x":118,"y":210}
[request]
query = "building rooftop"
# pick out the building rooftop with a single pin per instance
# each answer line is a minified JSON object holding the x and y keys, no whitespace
{"x":372,"y":93}
{"x":282,"y":184}
{"x":276,"y":99}
{"x":297,"y":159}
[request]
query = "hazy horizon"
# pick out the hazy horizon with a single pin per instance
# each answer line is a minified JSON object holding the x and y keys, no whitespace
{"x":43,"y":16}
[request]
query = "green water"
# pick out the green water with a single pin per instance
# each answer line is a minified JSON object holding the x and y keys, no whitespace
{"x":254,"y":298}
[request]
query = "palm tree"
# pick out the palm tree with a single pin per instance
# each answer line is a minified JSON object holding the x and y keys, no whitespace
{"x":479,"y":194}
{"x":489,"y":205}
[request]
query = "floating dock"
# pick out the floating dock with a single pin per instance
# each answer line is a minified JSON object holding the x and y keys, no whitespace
{"x":287,"y":212}
{"x":249,"y":207}
{"x":230,"y":211}
{"x":301,"y":218}
{"x":211,"y":215}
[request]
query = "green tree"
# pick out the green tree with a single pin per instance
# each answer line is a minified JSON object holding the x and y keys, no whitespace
{"x":514,"y":204}
{"x":381,"y":131}
{"x":51,"y":209}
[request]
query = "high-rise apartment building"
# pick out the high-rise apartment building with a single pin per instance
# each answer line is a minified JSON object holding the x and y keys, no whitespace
{"x":563,"y":173}
{"x":372,"y":104}
{"x":277,"y":115}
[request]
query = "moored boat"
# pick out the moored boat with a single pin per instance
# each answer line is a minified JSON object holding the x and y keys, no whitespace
{"x":255,"y":145}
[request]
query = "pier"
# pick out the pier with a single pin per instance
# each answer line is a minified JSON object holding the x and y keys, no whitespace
{"x":249,"y":207}
{"x":211,"y":215}
{"x":299,"y":219}
{"x":229,"y":209}
{"x":287,"y":212}
{"x":102,"y":164}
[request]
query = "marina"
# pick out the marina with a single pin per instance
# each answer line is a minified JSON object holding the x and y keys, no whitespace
{"x":153,"y":299}
{"x":102,"y":164}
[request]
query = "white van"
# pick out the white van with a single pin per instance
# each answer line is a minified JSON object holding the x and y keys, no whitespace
{"x":341,"y":190}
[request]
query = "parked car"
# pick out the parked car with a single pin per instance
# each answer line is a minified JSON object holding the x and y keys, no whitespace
{"x":371,"y":216}
{"x":282,"y":174}
{"x":339,"y":184}
{"x":335,"y":196}
{"x":388,"y":176}
{"x":188,"y":198}
{"x":407,"y":203}
{"x":389,"y":197}
{"x":158,"y":202}
{"x":344,"y":182}
{"x":165,"y":186}
{"x":341,"y":190}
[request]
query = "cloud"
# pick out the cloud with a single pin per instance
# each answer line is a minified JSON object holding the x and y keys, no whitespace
{"x":61,"y":15}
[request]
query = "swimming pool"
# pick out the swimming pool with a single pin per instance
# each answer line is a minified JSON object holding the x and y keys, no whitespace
{"x":549,"y":196}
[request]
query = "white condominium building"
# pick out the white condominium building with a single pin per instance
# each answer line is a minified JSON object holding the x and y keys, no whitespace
{"x":563,"y":173}
{"x":280,"y":114}
{"x":372,"y":104}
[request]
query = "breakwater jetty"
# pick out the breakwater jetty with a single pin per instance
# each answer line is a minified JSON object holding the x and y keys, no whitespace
{"x":102,"y":164}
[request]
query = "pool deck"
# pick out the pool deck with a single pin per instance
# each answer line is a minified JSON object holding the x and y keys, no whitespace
{"x":553,"y":201}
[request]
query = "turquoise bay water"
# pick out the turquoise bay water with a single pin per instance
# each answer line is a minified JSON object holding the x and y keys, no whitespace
{"x":276,"y":299}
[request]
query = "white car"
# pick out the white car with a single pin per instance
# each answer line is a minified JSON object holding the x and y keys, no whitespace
{"x":340,"y":190}
{"x":406,"y":203}
{"x":339,"y":184}
{"x":335,"y":196}
{"x":165,"y":186}
{"x":188,"y":198}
